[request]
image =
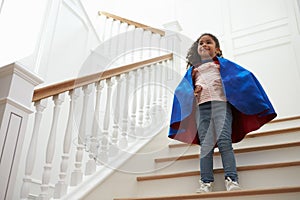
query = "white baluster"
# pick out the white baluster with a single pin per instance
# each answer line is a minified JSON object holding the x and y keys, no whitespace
{"x":165,"y":94}
{"x":113,"y":148}
{"x":61,"y":186}
{"x":133,"y":50}
{"x":103,"y":154}
{"x":138,"y":44}
{"x":165,"y":69}
{"x":125,"y":43}
{"x":148,"y":99}
{"x":77,"y":175}
{"x":142,"y":44}
{"x":147,"y":53}
{"x":58,"y":100}
{"x":161,"y":65}
{"x":161,"y":45}
{"x":133,"y":106}
{"x":154,"y":98}
{"x":110,"y":41}
{"x":117,"y":41}
{"x":94,"y":143}
{"x":123,"y":143}
{"x":160,"y":84}
{"x":31,"y":154}
{"x":130,"y":43}
{"x":104,"y":28}
{"x":141,"y":102}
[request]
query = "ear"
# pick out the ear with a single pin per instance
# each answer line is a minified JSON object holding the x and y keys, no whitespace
{"x":218,"y":50}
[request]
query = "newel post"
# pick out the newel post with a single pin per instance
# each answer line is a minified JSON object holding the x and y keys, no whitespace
{"x":16,"y":90}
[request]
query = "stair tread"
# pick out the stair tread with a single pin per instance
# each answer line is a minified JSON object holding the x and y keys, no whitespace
{"x":238,"y":150}
{"x":221,"y":194}
{"x":217,"y":170}
{"x":250,"y":135}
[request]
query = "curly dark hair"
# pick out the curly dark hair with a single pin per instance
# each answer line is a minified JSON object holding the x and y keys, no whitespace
{"x":193,"y":57}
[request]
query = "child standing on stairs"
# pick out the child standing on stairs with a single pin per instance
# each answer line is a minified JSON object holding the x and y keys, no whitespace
{"x":217,"y":103}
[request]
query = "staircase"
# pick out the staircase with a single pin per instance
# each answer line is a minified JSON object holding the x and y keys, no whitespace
{"x":85,"y":127}
{"x":268,"y":163}
{"x":116,"y":153}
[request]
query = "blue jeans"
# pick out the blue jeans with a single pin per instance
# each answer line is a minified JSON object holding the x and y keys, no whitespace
{"x":214,"y":128}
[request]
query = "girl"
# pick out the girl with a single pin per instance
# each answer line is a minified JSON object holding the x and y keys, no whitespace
{"x":229,"y":103}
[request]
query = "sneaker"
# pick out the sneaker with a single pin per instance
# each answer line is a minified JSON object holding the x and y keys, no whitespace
{"x":231,"y":185}
{"x":205,"y":187}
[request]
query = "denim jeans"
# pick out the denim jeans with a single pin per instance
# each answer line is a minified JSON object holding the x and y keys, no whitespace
{"x":214,"y":128}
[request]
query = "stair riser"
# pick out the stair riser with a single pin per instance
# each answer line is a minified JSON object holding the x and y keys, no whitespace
{"x":292,"y":136}
{"x":242,"y":159}
{"x":260,"y":140}
{"x":254,"y":179}
{"x":279,"y":125}
{"x":186,"y":150}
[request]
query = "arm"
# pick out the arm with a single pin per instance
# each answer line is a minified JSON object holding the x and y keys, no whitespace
{"x":198,"y":88}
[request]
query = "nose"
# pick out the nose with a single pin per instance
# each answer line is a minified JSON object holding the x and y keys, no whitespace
{"x":203,"y":46}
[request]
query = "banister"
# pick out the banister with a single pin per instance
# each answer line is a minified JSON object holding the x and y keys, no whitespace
{"x":136,"y":24}
{"x":64,"y":86}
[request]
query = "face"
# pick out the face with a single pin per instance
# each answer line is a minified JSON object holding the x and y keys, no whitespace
{"x":207,"y":47}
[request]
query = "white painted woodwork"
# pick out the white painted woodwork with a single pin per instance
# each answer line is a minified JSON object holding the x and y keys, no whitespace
{"x":133,"y":114}
{"x":104,"y":142}
{"x":51,"y":146}
{"x":148,"y":87}
{"x":154,"y":97}
{"x":113,"y":147}
{"x":17,"y":85}
{"x":140,"y":89}
{"x":123,"y":140}
{"x":61,"y":187}
{"x":77,"y":174}
{"x":92,"y":143}
{"x":31,"y":155}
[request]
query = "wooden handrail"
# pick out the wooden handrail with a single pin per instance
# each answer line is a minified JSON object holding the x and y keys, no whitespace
{"x":64,"y":86}
{"x":136,"y":24}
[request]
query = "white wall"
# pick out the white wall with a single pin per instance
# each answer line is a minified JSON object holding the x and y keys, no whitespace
{"x":20,"y":23}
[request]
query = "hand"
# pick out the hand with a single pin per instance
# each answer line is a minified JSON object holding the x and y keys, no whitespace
{"x":197,"y":90}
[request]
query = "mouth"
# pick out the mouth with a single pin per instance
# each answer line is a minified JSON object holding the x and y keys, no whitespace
{"x":204,"y":50}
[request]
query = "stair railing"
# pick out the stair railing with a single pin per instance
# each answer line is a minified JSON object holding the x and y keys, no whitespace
{"x":92,"y":124}
{"x":98,"y":129}
{"x":128,"y":40}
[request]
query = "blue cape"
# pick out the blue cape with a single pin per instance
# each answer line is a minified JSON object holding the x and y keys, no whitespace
{"x":251,"y":107}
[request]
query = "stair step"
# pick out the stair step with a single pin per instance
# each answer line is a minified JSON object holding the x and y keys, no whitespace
{"x":236,"y":151}
{"x":272,"y":132}
{"x":291,"y":193}
{"x":258,"y":138}
{"x":250,"y":177}
{"x":179,"y":148}
{"x":257,"y":177}
{"x":218,"y":170}
{"x":282,"y":122}
{"x":276,"y":153}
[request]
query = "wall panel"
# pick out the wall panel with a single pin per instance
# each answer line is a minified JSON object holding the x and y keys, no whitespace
{"x":251,"y":13}
{"x":278,"y":74}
